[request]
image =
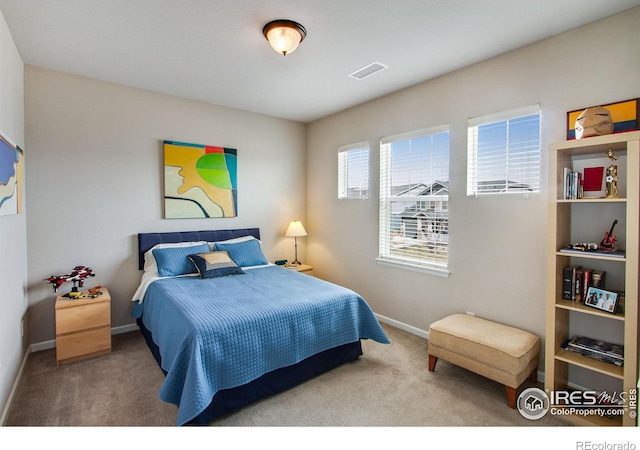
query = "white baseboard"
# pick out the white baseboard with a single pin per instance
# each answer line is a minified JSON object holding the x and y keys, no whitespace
{"x":403,"y":326}
{"x":125,"y":328}
{"x":14,"y":388}
{"x":39,"y":346}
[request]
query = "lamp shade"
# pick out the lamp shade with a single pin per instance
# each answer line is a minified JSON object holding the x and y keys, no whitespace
{"x":284,"y":35}
{"x":296,"y":229}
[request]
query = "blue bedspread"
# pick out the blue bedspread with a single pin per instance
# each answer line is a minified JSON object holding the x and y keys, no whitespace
{"x":220,"y":333}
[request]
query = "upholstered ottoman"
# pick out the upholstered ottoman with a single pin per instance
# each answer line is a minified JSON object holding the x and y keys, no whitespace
{"x":499,"y":352}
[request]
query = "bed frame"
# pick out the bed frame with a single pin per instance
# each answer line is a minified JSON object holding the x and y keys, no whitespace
{"x":147,"y":240}
{"x":229,"y":400}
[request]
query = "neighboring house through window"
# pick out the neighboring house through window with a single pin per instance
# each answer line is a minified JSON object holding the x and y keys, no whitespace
{"x":414,"y":200}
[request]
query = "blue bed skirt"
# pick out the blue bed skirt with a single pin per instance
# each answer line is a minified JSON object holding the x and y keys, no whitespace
{"x":229,"y":400}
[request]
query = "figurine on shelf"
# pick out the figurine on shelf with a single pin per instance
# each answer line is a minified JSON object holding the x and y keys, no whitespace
{"x":584,"y":246}
{"x":95,"y":292}
{"x":609,"y":241}
{"x":77,"y":277}
{"x":612,"y":176}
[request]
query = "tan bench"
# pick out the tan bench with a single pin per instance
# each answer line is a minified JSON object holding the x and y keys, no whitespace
{"x":499,"y":352}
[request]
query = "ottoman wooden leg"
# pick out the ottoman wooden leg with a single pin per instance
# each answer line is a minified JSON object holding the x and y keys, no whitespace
{"x":432,"y":362}
{"x":512,"y":394}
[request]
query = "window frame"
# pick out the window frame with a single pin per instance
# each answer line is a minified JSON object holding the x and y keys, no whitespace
{"x":343,"y":173}
{"x":473,"y":165}
{"x":423,"y":265}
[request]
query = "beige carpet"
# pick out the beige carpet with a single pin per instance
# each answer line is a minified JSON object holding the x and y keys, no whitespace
{"x":389,"y":386}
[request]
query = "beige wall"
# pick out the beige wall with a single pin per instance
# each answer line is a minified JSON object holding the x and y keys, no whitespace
{"x":96,"y":180}
{"x":497,"y":243}
{"x":13,"y":229}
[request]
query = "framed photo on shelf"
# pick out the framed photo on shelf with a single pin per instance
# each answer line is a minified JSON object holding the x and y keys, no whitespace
{"x":602,"y":300}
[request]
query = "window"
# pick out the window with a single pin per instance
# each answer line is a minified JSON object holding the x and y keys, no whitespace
{"x":503,"y":152}
{"x":414,"y":199}
{"x":353,"y":171}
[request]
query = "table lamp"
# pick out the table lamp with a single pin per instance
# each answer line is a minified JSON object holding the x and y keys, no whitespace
{"x":295,"y":229}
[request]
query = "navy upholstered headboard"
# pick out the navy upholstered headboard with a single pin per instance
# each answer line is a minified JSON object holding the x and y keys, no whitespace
{"x":148,"y":240}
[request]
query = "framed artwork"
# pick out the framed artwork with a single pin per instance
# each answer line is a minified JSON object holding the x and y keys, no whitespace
{"x":200,"y":181}
{"x":11,"y":176}
{"x":624,"y":116}
{"x":602,"y":300}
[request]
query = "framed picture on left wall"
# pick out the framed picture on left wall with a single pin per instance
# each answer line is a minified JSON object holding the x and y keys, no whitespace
{"x":200,"y":181}
{"x":11,"y":176}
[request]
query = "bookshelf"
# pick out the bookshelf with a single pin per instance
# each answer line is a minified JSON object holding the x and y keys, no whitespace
{"x":586,"y":220}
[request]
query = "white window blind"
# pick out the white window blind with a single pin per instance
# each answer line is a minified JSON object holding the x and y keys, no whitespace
{"x":503,"y":152}
{"x":353,"y":171}
{"x":414,"y":198}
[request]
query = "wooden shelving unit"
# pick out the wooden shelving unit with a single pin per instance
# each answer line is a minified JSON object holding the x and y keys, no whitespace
{"x":563,"y":315}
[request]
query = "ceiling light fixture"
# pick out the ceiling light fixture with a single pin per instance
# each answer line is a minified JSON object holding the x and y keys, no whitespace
{"x":284,"y":35}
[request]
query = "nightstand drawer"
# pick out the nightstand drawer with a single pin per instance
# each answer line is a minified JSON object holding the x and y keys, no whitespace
{"x":83,"y":317}
{"x":85,"y":344}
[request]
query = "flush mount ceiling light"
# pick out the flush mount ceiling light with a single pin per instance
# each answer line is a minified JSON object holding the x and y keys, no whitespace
{"x":284,"y":35}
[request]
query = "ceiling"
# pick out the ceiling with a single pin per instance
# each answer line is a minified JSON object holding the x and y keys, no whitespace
{"x":214,"y":51}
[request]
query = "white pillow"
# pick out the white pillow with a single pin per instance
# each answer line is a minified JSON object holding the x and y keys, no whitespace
{"x":150,"y":264}
{"x":235,"y":240}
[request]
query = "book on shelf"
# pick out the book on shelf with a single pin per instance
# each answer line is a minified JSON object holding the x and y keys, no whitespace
{"x":573,"y":184}
{"x":596,"y":349}
{"x":576,"y":281}
{"x":586,"y":282}
{"x":565,"y":193}
{"x":597,"y":346}
{"x":621,"y":302}
{"x":597,"y":278}
{"x":569,"y":274}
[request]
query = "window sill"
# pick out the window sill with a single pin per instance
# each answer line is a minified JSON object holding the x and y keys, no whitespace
{"x":444,"y":273}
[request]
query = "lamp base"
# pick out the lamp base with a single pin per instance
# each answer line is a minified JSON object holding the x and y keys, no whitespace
{"x":295,"y":263}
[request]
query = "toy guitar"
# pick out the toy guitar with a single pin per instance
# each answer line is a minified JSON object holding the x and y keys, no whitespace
{"x":609,"y":241}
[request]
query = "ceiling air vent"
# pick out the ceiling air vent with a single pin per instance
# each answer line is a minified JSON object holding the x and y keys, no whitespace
{"x":368,"y":70}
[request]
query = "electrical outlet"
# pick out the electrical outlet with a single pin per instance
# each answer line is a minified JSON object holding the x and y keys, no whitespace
{"x":469,"y":313}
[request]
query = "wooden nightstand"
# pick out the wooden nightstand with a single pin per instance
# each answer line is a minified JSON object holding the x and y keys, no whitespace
{"x":304,"y":268}
{"x":83,"y":327}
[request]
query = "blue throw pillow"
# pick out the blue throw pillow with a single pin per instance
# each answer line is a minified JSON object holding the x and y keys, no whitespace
{"x":245,"y":254}
{"x":215,"y":264}
{"x":174,"y":260}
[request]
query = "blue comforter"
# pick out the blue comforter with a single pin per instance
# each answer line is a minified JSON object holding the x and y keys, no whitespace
{"x":220,"y":333}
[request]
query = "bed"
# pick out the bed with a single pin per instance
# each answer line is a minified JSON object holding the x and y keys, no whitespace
{"x":228,"y":328}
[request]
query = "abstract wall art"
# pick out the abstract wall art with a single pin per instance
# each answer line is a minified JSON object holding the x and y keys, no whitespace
{"x":200,"y":181}
{"x":11,"y":176}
